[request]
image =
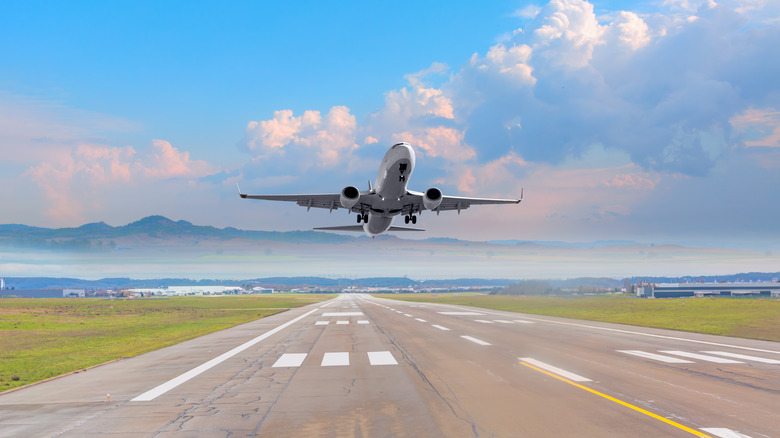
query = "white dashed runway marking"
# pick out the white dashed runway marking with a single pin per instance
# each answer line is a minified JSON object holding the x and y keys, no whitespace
{"x":343,"y":314}
{"x":290,"y":360}
{"x":440,"y":327}
{"x":342,"y":322}
{"x":420,"y":319}
{"x":321,"y":322}
{"x":461,"y":313}
{"x":335,"y":359}
{"x":475,"y":340}
{"x":381,"y":358}
{"x":483,"y":321}
{"x":503,"y":321}
{"x":362,"y":321}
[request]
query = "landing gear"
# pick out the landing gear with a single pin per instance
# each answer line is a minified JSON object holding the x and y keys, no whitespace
{"x":365,"y":218}
{"x":359,"y":218}
{"x":410,"y":218}
{"x":362,"y":218}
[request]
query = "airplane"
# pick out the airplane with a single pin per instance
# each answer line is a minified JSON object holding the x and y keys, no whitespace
{"x":379,"y":205}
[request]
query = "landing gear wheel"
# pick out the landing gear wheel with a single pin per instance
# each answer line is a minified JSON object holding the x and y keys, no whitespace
{"x":359,"y":218}
{"x":414,"y":219}
{"x":365,"y":218}
{"x":406,"y":219}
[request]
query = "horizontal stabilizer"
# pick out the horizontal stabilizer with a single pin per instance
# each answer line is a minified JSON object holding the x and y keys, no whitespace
{"x":360,"y":228}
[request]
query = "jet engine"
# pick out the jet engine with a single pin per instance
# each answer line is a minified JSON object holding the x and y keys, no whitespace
{"x":349,"y":197}
{"x":432,"y":198}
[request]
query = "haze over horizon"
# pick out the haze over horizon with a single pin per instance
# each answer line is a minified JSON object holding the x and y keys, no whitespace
{"x":623,"y":120}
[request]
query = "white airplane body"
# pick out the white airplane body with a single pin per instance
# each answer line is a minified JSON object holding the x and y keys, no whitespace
{"x":389,"y":197}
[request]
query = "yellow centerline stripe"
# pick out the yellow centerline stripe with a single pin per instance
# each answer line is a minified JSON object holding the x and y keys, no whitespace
{"x":621,"y":402}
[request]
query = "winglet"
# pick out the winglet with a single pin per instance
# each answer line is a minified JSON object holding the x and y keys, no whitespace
{"x":369,"y":185}
{"x":521,"y":196}
{"x":243,"y":195}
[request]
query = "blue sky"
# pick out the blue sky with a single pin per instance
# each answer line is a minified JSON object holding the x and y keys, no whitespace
{"x":650,"y":121}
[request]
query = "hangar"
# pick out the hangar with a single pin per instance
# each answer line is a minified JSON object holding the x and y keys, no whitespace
{"x":676,"y":290}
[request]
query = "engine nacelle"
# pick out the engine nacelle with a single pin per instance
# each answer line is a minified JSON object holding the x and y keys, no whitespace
{"x":349,"y":197}
{"x":432,"y":198}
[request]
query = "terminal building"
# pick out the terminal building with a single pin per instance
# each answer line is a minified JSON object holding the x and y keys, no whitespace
{"x":676,"y":290}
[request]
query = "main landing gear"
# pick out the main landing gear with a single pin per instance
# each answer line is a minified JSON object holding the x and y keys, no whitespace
{"x":410,"y":218}
{"x":362,"y":218}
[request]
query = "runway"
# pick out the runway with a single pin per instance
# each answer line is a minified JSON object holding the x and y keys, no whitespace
{"x":372,"y":367}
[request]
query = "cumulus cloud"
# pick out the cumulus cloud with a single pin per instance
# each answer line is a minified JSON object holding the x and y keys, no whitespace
{"x":89,"y":169}
{"x":329,"y":137}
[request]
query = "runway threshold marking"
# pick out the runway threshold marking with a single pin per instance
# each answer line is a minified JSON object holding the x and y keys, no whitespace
{"x":654,"y":356}
{"x":613,"y":399}
{"x":555,"y":370}
{"x":700,"y":356}
{"x":321,"y":322}
{"x":724,"y":433}
{"x":362,"y":321}
{"x":475,"y":340}
{"x":342,"y":322}
{"x":167,"y":386}
{"x":744,"y":356}
{"x":343,"y":314}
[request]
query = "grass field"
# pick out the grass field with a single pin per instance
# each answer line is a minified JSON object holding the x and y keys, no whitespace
{"x":43,"y":338}
{"x":744,"y":318}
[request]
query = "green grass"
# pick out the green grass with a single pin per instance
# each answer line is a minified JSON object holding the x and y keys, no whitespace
{"x":43,"y":338}
{"x":739,"y":317}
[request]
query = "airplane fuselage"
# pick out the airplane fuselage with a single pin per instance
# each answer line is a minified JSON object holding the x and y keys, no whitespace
{"x":390,"y":188}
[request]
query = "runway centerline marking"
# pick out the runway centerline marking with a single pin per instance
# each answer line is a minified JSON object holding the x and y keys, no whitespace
{"x":343,"y":314}
{"x":321,"y":322}
{"x":290,"y":360}
{"x":439,"y":327}
{"x":620,"y":402}
{"x":381,"y":358}
{"x":335,"y":359}
{"x":744,"y":356}
{"x":461,"y":313}
{"x":167,"y":386}
{"x":555,"y":370}
{"x":700,"y":356}
{"x":475,"y":340}
{"x":406,"y":314}
{"x":654,"y":356}
{"x":420,"y":319}
{"x":722,"y":432}
{"x":483,"y":321}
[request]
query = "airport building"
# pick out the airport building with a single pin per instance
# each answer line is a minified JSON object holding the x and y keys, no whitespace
{"x":677,"y":290}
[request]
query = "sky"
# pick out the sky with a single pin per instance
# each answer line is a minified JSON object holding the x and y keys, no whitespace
{"x":620,"y":120}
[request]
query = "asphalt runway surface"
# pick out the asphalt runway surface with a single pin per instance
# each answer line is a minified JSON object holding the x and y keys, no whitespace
{"x":371,"y":367}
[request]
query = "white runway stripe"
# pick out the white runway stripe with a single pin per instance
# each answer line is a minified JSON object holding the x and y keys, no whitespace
{"x":524,"y":322}
{"x":420,"y":319}
{"x":406,"y":314}
{"x":335,"y":359}
{"x":700,"y":356}
{"x":483,"y":321}
{"x":381,"y":358}
{"x":744,"y":357}
{"x":342,"y":322}
{"x":475,"y":340}
{"x":654,"y":356}
{"x":362,"y":321}
{"x":503,"y":321}
{"x":343,"y":314}
{"x":461,"y":313}
{"x":723,"y":432}
{"x":321,"y":322}
{"x":290,"y":360}
{"x":167,"y":386}
{"x":440,"y":327}
{"x":555,"y":370}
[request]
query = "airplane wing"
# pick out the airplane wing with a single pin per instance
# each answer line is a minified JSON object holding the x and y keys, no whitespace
{"x":330,"y":201}
{"x":457,"y":202}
